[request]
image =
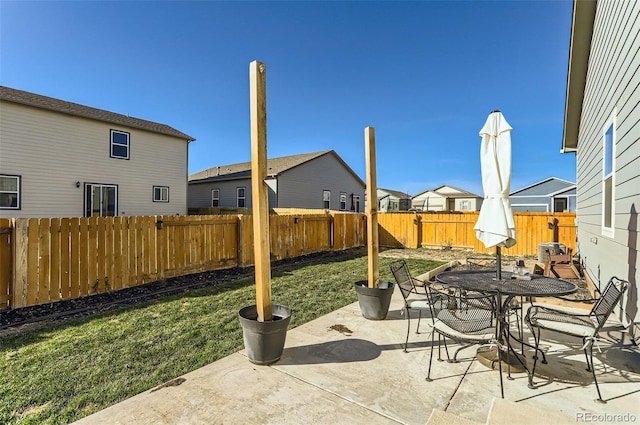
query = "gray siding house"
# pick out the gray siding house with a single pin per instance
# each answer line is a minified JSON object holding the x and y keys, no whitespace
{"x":602,"y":127}
{"x":549,"y":195}
{"x":62,"y":159}
{"x":320,"y":180}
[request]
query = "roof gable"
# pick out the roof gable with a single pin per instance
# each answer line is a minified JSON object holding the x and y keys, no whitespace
{"x":544,"y":187}
{"x":454,"y":192}
{"x":394,"y":193}
{"x":56,"y":105}
{"x":275,"y":167}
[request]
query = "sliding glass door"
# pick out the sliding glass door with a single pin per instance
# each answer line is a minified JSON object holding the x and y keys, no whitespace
{"x":101,"y":200}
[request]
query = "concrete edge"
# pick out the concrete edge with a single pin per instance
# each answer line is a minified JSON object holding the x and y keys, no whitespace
{"x":432,"y":273}
{"x":440,"y":417}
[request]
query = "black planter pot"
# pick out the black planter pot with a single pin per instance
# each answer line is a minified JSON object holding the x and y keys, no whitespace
{"x":264,"y":341}
{"x":374,"y":302}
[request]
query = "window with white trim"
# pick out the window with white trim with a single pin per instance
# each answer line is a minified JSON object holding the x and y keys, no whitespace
{"x":464,"y":205}
{"x":215,"y":197}
{"x":343,"y":201}
{"x":326,"y":199}
{"x":9,"y":192}
{"x":160,"y":193}
{"x":240,"y":196}
{"x":608,"y":176}
{"x":119,"y":144}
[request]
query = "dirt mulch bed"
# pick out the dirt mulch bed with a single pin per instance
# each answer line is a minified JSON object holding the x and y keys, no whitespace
{"x":34,"y":317}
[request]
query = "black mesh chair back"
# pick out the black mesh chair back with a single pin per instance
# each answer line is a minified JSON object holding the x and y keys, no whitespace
{"x":604,"y":306}
{"x":403,"y":278}
{"x":405,"y":282}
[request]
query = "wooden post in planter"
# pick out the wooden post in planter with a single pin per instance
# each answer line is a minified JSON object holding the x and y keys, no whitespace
{"x":259,"y":195}
{"x":372,"y":206}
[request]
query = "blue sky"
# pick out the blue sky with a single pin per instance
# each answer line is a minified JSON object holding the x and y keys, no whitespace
{"x":425,"y":74}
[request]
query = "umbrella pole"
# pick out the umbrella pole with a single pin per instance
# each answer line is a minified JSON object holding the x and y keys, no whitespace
{"x":498,"y":263}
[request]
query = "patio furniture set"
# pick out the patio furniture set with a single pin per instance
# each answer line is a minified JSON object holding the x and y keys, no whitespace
{"x":473,"y":307}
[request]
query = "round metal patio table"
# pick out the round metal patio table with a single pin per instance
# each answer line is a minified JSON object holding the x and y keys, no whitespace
{"x":485,"y":281}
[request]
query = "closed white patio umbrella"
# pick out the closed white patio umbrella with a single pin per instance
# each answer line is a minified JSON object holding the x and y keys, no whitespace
{"x":495,"y":225}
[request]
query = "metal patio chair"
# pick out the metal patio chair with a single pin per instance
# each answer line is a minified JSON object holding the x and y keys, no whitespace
{"x":465,"y":318}
{"x":407,"y":285}
{"x":586,"y":326}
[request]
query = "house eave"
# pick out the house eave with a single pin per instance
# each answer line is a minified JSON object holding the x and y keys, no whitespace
{"x":584,"y":12}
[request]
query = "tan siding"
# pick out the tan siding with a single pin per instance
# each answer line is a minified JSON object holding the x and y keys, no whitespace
{"x":53,"y":151}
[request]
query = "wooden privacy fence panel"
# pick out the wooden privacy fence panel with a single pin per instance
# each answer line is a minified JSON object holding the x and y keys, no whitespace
{"x":449,"y":230}
{"x":192,"y":244}
{"x":455,"y":230}
{"x":63,"y":258}
{"x":291,"y":236}
{"x":349,"y":230}
{"x":399,"y":229}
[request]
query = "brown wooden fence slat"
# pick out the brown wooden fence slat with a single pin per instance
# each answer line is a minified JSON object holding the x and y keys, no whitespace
{"x":65,"y":266}
{"x":33,"y":281}
{"x":101,"y":241}
{"x":74,"y":258}
{"x":55,"y":293}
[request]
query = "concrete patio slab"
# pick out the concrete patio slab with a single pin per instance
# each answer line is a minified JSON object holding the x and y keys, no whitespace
{"x":342,"y":368}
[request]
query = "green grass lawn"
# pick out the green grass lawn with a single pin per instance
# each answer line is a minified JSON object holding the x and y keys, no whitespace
{"x":65,"y":372}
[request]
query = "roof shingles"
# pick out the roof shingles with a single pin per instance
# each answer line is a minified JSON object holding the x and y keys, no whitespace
{"x":43,"y":102}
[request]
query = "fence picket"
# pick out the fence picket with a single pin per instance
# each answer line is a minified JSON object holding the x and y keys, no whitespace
{"x":74,"y":258}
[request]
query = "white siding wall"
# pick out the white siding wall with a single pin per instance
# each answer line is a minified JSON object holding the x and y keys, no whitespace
{"x":436,"y":202}
{"x":613,"y":86}
{"x":53,"y":151}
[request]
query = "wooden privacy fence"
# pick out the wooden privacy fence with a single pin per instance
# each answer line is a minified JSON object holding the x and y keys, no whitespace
{"x":51,"y":259}
{"x":455,"y":230}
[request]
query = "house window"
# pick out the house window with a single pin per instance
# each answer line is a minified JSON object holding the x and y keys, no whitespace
{"x":356,"y":200}
{"x":608,"y":175}
{"x":119,"y":144}
{"x":215,"y":197}
{"x":100,"y":200}
{"x":464,"y":205}
{"x":240,"y":197}
{"x":9,"y":192}
{"x":326,"y":199}
{"x":343,"y":201}
{"x":160,"y":193}
{"x":559,"y":204}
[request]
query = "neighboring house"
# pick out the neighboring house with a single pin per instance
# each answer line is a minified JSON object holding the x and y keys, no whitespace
{"x":313,"y":180}
{"x":393,"y":200}
{"x":61,"y":159}
{"x":446,"y":198}
{"x":602,"y":126}
{"x":549,"y":195}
